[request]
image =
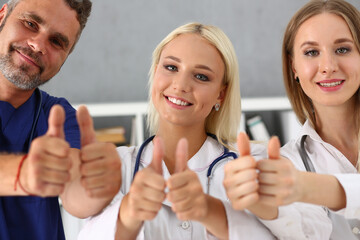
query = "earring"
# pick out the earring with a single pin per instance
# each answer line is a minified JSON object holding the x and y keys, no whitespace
{"x":217,"y":107}
{"x":297,"y":79}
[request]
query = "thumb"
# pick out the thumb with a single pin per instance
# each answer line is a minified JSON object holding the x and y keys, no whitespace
{"x":87,"y":132}
{"x":158,"y":155}
{"x":243,"y":144}
{"x":274,"y":148}
{"x":181,"y":155}
{"x":56,"y":122}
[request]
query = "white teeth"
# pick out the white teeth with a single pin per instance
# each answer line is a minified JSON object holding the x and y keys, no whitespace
{"x":178,"y":101}
{"x":333,"y":84}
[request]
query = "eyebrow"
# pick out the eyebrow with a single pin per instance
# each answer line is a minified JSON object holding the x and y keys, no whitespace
{"x":342,"y":40}
{"x":34,"y":17}
{"x":337,"y":41}
{"x":196,"y":66}
{"x":40,"y":21}
{"x":309,"y":43}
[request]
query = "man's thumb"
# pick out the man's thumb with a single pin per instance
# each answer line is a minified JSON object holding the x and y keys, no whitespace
{"x":86,"y":126}
{"x":56,"y":122}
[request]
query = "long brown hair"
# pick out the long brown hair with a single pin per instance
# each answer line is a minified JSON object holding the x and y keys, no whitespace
{"x":300,"y":102}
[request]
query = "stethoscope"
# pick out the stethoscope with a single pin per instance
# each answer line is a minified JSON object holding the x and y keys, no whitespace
{"x":209,"y":173}
{"x":308,"y":163}
{"x":304,"y":156}
{"x":36,"y":116}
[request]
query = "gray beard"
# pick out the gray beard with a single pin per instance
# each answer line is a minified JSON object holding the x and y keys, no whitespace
{"x":19,"y":76}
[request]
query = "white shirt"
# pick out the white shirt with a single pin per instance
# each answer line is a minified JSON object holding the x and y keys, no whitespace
{"x":242,"y":224}
{"x":328,"y":160}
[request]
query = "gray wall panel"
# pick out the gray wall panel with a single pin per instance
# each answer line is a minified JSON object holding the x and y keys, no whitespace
{"x":112,"y":58}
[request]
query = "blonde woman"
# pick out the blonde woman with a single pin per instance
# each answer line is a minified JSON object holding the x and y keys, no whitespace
{"x":172,"y":184}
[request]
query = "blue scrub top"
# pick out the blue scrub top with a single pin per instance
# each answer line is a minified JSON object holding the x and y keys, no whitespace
{"x":32,"y":217}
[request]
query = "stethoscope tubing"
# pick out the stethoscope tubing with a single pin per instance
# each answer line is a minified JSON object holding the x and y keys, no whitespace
{"x":304,"y":156}
{"x":36,"y":118}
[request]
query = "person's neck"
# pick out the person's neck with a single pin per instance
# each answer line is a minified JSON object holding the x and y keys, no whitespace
{"x":13,"y":95}
{"x":171,"y":135}
{"x":337,"y":126}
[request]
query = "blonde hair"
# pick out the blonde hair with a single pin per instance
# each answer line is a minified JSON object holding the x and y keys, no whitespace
{"x":225,"y":122}
{"x":300,"y":102}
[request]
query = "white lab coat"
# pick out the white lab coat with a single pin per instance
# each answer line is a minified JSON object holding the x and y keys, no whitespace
{"x":242,"y":224}
{"x":328,"y":160}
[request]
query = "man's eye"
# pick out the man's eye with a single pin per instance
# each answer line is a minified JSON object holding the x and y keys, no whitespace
{"x":56,"y":42}
{"x":30,"y":24}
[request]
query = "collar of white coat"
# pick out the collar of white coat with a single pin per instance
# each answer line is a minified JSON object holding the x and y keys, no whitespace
{"x":307,"y":129}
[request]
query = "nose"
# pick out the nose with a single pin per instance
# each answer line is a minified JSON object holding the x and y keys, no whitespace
{"x":181,"y":82}
{"x":328,"y":64}
{"x":38,"y":43}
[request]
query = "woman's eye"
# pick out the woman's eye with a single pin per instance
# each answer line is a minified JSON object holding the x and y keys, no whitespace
{"x":171,"y":68}
{"x":312,"y":53}
{"x":342,"y":50}
{"x":202,"y":77}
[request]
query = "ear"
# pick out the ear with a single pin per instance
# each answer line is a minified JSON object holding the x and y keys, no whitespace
{"x":3,"y":13}
{"x":292,"y":65}
{"x":222,"y":93}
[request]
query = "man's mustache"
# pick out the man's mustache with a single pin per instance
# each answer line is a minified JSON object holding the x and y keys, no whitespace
{"x":29,"y":53}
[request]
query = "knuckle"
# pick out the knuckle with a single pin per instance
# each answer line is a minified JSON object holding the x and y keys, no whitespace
{"x":34,"y":157}
{"x":226,"y":183}
{"x":133,"y":213}
{"x":280,"y":201}
{"x":290,"y":181}
{"x":152,"y":216}
{"x":158,"y":206}
{"x":237,"y":205}
{"x":136,"y":190}
{"x":285,"y":194}
{"x":109,"y":146}
{"x":115,"y":164}
{"x":197,"y":188}
{"x":254,"y":174}
{"x":286,"y":166}
{"x":37,"y":188}
{"x":37,"y":142}
{"x":37,"y":171}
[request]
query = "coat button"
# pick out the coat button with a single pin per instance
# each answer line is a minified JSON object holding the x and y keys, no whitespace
{"x":356,"y":230}
{"x":185,"y":225}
